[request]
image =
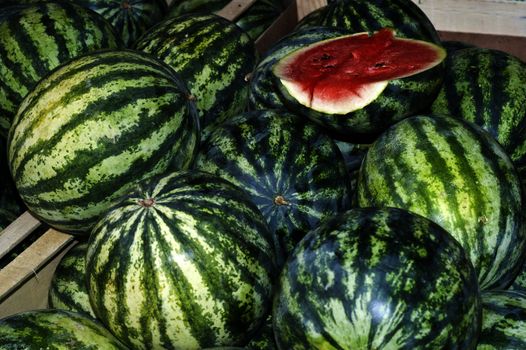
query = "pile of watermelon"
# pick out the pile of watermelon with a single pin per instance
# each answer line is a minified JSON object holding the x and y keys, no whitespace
{"x":359,"y":185}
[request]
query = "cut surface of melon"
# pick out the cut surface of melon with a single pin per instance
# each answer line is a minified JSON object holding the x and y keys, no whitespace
{"x":344,"y":74}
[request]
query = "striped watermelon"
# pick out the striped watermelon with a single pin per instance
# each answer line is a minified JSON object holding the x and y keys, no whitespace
{"x":92,"y":129}
{"x":212,"y":55}
{"x":129,"y":18}
{"x":357,"y":85}
{"x":9,"y":8}
{"x":503,"y":321}
{"x":183,"y":262}
{"x":519,"y":282}
{"x":377,"y":279}
{"x":353,"y":155}
{"x":454,"y":173}
{"x":488,"y":87}
{"x":36,"y":39}
{"x":55,"y":329}
{"x":293,"y":172}
{"x":263,"y":92}
{"x":264,"y":337}
{"x":452,"y":46}
{"x":357,"y":16}
{"x":68,"y":289}
{"x":254,"y":21}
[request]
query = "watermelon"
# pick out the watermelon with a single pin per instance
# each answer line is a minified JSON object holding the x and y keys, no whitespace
{"x":38,"y":38}
{"x":488,"y":87}
{"x":264,"y":337}
{"x":293,"y":172}
{"x":454,"y":173}
{"x":254,"y":21}
{"x":359,"y":84}
{"x":68,"y":290}
{"x":183,"y":262}
{"x":92,"y":129}
{"x":353,"y":155}
{"x":519,"y":282}
{"x":357,"y":16}
{"x":55,"y":329}
{"x":503,"y":321}
{"x":263,"y":93}
{"x":377,"y":278}
{"x":452,"y":46}
{"x":9,"y":8}
{"x":212,"y":55}
{"x":130,"y":19}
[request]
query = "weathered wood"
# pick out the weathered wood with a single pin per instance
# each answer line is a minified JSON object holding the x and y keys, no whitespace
{"x":234,"y":9}
{"x":17,"y":231}
{"x":308,"y":6}
{"x":494,"y":17}
{"x":32,"y":266}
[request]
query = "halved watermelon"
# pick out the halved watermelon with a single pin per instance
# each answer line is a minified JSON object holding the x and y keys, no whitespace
{"x":361,"y":83}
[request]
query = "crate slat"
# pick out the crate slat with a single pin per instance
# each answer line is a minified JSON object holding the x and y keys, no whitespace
{"x":283,"y":25}
{"x":25,"y":281}
{"x":234,"y":9}
{"x":477,"y":16}
{"x":306,"y":7}
{"x":15,"y":233}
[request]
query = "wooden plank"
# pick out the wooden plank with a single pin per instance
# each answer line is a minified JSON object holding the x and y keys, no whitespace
{"x":495,"y":17}
{"x":33,"y":294}
{"x":30,"y":261}
{"x":283,"y":25}
{"x":514,"y":45}
{"x":17,"y":231}
{"x":307,"y":6}
{"x":234,"y":9}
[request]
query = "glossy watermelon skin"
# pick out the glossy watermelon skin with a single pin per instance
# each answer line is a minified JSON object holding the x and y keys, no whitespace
{"x":378,"y":279}
{"x":36,"y":39}
{"x":293,"y":172}
{"x":195,"y":267}
{"x":358,"y":16}
{"x":68,"y":290}
{"x":131,"y":18}
{"x":55,"y":329}
{"x":454,"y":173}
{"x":254,"y":21}
{"x":263,"y":91}
{"x":92,"y":129}
{"x":503,"y":321}
{"x":488,"y":87}
{"x":212,"y":55}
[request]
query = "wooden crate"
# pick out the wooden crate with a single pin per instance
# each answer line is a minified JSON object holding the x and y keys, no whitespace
{"x":24,"y":283}
{"x":496,"y":24}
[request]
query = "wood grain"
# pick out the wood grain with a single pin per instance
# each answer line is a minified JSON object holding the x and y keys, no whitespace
{"x":234,"y":9}
{"x":17,"y":231}
{"x":495,"y":17}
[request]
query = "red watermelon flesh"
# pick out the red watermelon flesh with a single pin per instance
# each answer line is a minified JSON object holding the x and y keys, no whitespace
{"x":346,"y":73}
